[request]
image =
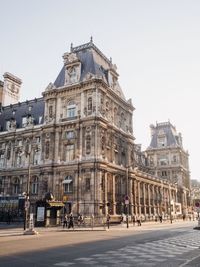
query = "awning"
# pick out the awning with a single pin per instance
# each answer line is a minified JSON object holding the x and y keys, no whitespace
{"x":55,"y":204}
{"x":68,"y":181}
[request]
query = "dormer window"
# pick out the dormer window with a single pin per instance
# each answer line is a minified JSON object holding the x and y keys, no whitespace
{"x":72,"y":74}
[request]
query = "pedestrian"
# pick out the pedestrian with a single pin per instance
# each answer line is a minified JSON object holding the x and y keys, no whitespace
{"x":71,"y":221}
{"x":80,"y":219}
{"x":160,"y":218}
{"x":121,"y":218}
{"x":108,"y":220}
{"x":139,"y":221}
{"x":133,"y":219}
{"x":65,"y":221}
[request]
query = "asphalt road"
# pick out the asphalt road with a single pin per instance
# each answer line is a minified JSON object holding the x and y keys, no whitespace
{"x":149,"y":245}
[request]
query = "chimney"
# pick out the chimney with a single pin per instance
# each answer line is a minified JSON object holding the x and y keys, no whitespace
{"x":11,"y":89}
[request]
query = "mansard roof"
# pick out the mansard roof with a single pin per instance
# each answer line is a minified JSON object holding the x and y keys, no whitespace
{"x":93,"y":62}
{"x":167,"y":130}
{"x":33,"y":108}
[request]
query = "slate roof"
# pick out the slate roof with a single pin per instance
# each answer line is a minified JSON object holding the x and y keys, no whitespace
{"x":89,"y":64}
{"x":169,"y":131}
{"x":20,"y":110}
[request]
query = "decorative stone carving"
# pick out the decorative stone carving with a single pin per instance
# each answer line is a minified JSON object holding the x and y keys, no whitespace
{"x":50,"y":87}
{"x":70,"y":58}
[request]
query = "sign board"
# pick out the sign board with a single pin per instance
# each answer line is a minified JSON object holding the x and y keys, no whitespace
{"x":40,"y":214}
{"x":197,"y":204}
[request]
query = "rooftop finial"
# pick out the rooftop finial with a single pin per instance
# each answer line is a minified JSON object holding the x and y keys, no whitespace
{"x":91,"y":39}
{"x":71,"y":47}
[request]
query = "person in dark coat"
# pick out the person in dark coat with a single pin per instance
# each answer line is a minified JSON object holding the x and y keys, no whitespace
{"x":65,"y":221}
{"x":71,"y":221}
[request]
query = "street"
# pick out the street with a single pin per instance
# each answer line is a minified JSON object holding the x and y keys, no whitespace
{"x":152,"y":244}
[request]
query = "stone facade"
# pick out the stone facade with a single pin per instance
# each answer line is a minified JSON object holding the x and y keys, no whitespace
{"x":77,"y":142}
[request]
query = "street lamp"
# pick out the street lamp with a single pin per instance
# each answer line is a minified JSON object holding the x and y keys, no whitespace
{"x":30,"y":230}
{"x":170,"y":207}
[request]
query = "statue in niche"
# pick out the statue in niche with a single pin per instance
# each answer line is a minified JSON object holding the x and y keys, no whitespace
{"x":13,"y":124}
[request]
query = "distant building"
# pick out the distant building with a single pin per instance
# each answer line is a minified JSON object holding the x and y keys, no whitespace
{"x":168,"y":160}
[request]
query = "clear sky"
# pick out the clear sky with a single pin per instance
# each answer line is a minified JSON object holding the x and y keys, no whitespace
{"x":155,"y":44}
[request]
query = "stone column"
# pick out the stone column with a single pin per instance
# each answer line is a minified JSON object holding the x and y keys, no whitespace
{"x":144,"y":199}
{"x":106,"y":192}
{"x":113,"y":196}
{"x":149,"y":199}
{"x":135,"y":211}
{"x":153,"y":199}
{"x":131,"y":193}
{"x":139,"y":204}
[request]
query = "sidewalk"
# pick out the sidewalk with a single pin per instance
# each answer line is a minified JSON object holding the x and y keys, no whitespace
{"x":17,"y":230}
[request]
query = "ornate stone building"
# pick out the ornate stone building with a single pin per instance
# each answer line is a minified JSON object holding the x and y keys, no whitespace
{"x":168,"y":160}
{"x":77,"y":143}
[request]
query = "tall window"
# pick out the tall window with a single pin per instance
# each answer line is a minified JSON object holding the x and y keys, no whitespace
{"x":16,"y":185}
{"x":47,"y":150}
{"x":34,"y":185}
{"x":50,"y":111}
{"x":36,"y":157}
{"x":69,"y":152}
{"x":72,"y":75}
{"x":71,"y":110}
{"x":18,"y":159}
{"x":88,"y":144}
{"x":1,"y":159}
{"x":87,"y":184}
{"x":90,"y":103}
{"x":68,"y":184}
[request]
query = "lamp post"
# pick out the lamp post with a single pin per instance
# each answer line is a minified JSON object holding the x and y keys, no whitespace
{"x":30,"y":230}
{"x":170,"y":207}
{"x":27,"y":200}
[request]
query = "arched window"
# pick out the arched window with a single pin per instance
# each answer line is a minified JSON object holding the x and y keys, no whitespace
{"x":68,"y":184}
{"x":34,"y":185}
{"x":16,"y":186}
{"x":71,"y":109}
